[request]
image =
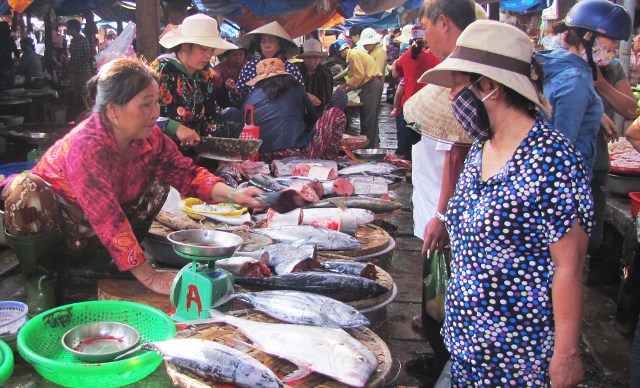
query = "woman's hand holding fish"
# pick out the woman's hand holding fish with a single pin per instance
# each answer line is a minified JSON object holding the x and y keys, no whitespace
{"x":156,"y":281}
{"x":247,"y":196}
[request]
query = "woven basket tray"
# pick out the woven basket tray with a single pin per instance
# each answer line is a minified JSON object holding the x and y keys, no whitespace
{"x":226,"y":334}
{"x":227,"y":149}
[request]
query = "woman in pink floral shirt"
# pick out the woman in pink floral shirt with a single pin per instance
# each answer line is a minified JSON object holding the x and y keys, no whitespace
{"x":107,"y":178}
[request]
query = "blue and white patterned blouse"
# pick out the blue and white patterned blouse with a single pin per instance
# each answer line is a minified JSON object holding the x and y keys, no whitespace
{"x":499,"y":311}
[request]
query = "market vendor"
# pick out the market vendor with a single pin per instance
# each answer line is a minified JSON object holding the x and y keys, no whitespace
{"x":272,"y":41}
{"x":103,"y":184}
{"x":187,"y":86}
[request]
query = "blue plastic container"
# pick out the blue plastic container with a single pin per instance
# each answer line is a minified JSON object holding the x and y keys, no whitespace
{"x":16,"y":168}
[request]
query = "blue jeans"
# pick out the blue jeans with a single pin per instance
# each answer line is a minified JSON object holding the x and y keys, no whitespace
{"x":635,"y":360}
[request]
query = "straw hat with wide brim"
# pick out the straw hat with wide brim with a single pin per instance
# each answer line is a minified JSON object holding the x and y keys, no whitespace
{"x":405,"y":34}
{"x":429,"y":109}
{"x":197,"y":29}
{"x":274,"y":28}
{"x":267,"y":68}
{"x":495,"y":50}
{"x":312,"y":48}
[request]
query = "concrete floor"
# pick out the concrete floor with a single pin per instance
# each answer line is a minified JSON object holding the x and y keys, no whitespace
{"x":605,"y":351}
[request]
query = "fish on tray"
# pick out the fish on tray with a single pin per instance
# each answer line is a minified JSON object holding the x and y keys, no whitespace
{"x":301,"y":308}
{"x":323,"y":238}
{"x":351,"y":267}
{"x":376,"y":205}
{"x":371,"y":167}
{"x":327,"y":351}
{"x":212,"y":361}
{"x":346,"y":288}
{"x":285,"y":258}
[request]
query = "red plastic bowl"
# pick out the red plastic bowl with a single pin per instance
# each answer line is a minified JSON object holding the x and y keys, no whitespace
{"x":635,"y":203}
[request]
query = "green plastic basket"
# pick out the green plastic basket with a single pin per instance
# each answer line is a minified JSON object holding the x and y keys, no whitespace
{"x":39,"y":342}
{"x":6,"y":362}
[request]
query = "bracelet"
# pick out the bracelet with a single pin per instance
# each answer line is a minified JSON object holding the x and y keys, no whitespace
{"x":439,"y":216}
{"x":232,"y":195}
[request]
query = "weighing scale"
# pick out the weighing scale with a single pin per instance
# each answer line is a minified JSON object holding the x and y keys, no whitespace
{"x":198,"y":286}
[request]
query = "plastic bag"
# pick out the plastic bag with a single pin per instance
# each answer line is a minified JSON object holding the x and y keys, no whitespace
{"x":121,"y":46}
{"x":435,"y":287}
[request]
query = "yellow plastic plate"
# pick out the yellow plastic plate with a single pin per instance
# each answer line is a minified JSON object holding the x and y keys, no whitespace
{"x":189,"y":202}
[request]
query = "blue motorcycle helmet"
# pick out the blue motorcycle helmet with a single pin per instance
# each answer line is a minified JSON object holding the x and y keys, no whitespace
{"x":600,"y":17}
{"x":334,"y":49}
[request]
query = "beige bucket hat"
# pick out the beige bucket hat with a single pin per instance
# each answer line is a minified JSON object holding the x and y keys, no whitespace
{"x":429,"y":112}
{"x":495,"y":50}
{"x":274,"y":28}
{"x":369,"y":36}
{"x":312,"y":47}
{"x":198,"y":29}
{"x":268,"y":68}
{"x":405,"y":34}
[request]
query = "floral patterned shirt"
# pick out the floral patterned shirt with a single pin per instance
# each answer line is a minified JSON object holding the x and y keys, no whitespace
{"x":188,"y":100}
{"x":87,"y":169}
{"x":499,"y":311}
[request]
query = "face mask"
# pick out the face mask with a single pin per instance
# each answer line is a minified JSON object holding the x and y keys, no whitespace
{"x":602,"y":55}
{"x":470,"y":112}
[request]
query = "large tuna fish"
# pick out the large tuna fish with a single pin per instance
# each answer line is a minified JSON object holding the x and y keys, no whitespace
{"x":304,"y":308}
{"x":323,"y":238}
{"x":346,"y":288}
{"x":212,"y":361}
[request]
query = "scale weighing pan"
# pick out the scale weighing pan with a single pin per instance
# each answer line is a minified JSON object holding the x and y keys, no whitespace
{"x":202,"y":244}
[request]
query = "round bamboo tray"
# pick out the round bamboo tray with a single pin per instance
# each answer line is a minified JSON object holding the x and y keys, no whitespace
{"x":373,"y":239}
{"x":231,"y":336}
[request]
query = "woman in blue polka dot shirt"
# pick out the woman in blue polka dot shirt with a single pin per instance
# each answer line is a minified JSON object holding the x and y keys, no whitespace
{"x":272,"y":41}
{"x":518,"y":222}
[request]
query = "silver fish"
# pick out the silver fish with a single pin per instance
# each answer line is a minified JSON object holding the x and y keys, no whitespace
{"x":323,"y":238}
{"x":371,"y":167}
{"x":376,"y":205}
{"x":346,"y":288}
{"x":284,"y":257}
{"x":350,"y":267}
{"x":304,"y":308}
{"x":330,"y":352}
{"x":212,"y":361}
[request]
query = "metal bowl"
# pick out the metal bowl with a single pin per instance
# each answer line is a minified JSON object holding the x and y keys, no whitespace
{"x":205,"y":243}
{"x":100,"y":341}
{"x":370,"y":153}
{"x":622,"y":185}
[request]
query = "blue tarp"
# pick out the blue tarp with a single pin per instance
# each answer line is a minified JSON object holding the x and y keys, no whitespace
{"x":378,"y":21}
{"x":523,"y":6}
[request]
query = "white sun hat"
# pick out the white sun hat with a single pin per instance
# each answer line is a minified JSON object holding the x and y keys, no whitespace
{"x":197,"y":29}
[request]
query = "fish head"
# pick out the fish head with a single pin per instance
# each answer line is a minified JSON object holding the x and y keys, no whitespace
{"x":354,"y":369}
{"x":347,"y":315}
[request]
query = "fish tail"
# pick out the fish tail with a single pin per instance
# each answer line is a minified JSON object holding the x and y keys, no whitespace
{"x":297,"y":375}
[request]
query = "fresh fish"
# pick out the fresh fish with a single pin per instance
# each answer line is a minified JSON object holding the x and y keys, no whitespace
{"x":266,"y":183}
{"x":346,"y":288}
{"x":212,"y":361}
{"x":304,"y":308}
{"x":285,"y":258}
{"x":284,"y":167}
{"x":376,"y":205}
{"x":362,"y":216}
{"x":330,"y":352}
{"x":351,"y":267}
{"x":325,"y":239}
{"x":371,"y":167}
{"x":283,"y":201}
{"x":242,"y":219}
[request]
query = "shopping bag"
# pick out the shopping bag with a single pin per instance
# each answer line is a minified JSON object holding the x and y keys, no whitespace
{"x":435,"y":286}
{"x":121,"y":46}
